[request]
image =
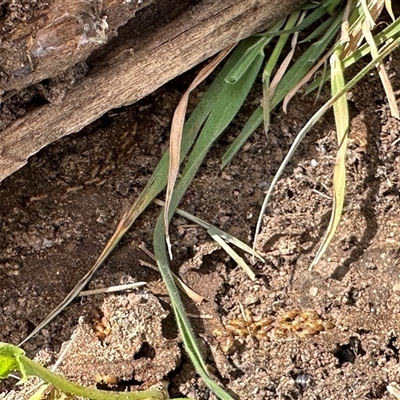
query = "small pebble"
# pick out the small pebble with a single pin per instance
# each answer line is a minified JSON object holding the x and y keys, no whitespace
{"x":250,"y":300}
{"x":394,"y":389}
{"x":396,"y":287}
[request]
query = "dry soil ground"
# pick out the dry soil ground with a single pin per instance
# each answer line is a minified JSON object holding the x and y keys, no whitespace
{"x":57,"y":213}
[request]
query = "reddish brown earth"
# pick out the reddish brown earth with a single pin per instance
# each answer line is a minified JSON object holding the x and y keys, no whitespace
{"x":59,"y":211}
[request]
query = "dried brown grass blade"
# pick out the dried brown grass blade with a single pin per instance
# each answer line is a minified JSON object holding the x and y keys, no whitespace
{"x":394,"y":109}
{"x":176,"y":136}
{"x":341,"y":113}
{"x":344,"y":38}
{"x":179,"y":282}
{"x":303,"y":81}
{"x":182,"y":285}
{"x":284,"y":65}
{"x":356,"y":36}
{"x":344,"y":35}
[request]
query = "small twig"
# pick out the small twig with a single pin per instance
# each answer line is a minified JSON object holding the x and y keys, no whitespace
{"x":325,"y":196}
{"x":186,"y":289}
{"x":395,"y":141}
{"x":148,"y":265}
{"x":148,"y":252}
{"x":201,"y":316}
{"x":18,"y":378}
{"x":111,"y":289}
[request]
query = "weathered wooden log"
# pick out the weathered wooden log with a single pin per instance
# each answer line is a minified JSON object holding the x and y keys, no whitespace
{"x":59,"y":36}
{"x":128,"y":67}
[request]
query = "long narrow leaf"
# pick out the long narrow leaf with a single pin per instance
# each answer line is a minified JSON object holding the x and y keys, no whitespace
{"x":250,"y":55}
{"x":305,"y":62}
{"x":322,"y":61}
{"x":341,"y":112}
{"x":230,"y":100}
{"x":188,"y":337}
{"x":305,"y":79}
{"x":390,"y":32}
{"x":239,"y":260}
{"x":268,"y":86}
{"x":177,"y":131}
{"x":294,"y":75}
{"x":317,"y":14}
{"x":233,"y":96}
{"x":394,"y":109}
{"x":319,"y":30}
{"x":300,"y":136}
{"x":213,"y":230}
{"x":389,"y":9}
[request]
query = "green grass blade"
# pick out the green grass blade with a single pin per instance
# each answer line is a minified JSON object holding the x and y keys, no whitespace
{"x":341,"y":112}
{"x":213,"y":230}
{"x":269,"y":67}
{"x":314,"y":16}
{"x":188,"y":336}
{"x":13,"y":358}
{"x":216,"y":389}
{"x":250,"y":55}
{"x":276,"y":53}
{"x":324,"y":73}
{"x":305,"y":62}
{"x":246,"y":61}
{"x":224,"y":109}
{"x":319,"y":30}
{"x":392,"y":31}
{"x":300,"y":136}
{"x":182,"y":320}
{"x":177,"y":125}
{"x":293,"y":76}
{"x":332,"y":5}
{"x":231,"y":97}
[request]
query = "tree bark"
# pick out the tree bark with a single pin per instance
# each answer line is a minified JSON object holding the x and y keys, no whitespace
{"x":59,"y":36}
{"x":153,"y":47}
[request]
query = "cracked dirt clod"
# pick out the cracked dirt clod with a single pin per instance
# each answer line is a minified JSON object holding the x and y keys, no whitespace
{"x":135,"y":348}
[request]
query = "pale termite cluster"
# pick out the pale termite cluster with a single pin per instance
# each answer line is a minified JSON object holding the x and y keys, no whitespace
{"x":291,"y":323}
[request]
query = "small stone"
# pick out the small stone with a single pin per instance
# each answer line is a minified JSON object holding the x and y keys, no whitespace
{"x":396,"y":287}
{"x":313,"y":291}
{"x":250,"y":300}
{"x":371,"y":266}
{"x":224,"y":220}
